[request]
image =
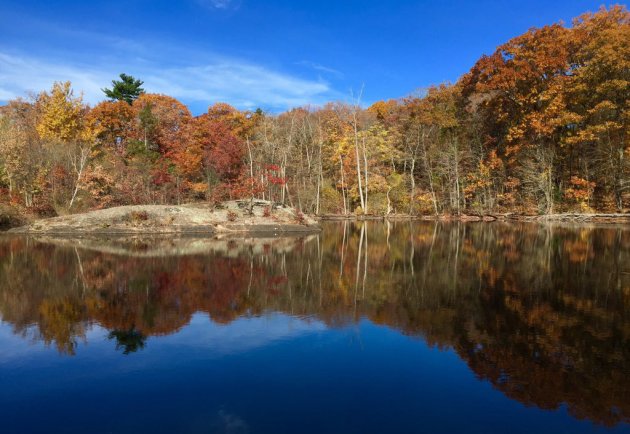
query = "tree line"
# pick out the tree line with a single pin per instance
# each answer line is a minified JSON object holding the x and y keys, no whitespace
{"x":539,"y":126}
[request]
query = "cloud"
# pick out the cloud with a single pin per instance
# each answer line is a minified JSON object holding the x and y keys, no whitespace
{"x":241,"y":335}
{"x":220,"y":4}
{"x":21,"y":76}
{"x":5,"y":95}
{"x":238,"y":82}
{"x":242,"y":84}
{"x":321,"y":68}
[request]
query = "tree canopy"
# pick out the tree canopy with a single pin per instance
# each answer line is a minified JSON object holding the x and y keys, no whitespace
{"x":541,"y":125}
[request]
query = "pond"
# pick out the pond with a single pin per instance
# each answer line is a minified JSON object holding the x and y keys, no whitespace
{"x":423,"y":327}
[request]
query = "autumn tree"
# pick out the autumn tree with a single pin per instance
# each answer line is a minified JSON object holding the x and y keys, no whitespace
{"x":516,"y":90}
{"x":161,"y":130}
{"x":68,"y":137}
{"x":21,"y":154}
{"x":597,"y":97}
{"x":112,"y":123}
{"x":215,"y":153}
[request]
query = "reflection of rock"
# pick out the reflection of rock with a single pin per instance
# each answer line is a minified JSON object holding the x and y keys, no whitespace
{"x":143,"y":246}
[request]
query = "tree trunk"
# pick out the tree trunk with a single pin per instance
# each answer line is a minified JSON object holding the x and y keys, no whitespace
{"x":79,"y":163}
{"x":365,"y":162}
{"x":356,"y":151}
{"x":412,"y":193}
{"x":343,"y":186}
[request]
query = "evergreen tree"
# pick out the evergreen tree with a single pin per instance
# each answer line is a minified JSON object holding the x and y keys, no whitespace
{"x":126,"y":89}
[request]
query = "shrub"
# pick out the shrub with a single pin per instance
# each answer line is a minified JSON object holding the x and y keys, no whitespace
{"x":139,"y":216}
{"x":43,"y":209}
{"x":10,"y":218}
{"x":299,"y":217}
{"x":231,"y":216}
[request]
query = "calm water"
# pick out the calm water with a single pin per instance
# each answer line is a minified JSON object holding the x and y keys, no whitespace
{"x":401,"y":328}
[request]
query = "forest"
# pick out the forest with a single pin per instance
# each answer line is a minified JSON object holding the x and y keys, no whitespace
{"x":539,"y":126}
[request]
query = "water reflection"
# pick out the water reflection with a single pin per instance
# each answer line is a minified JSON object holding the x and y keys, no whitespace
{"x":129,"y":341}
{"x":541,"y":312}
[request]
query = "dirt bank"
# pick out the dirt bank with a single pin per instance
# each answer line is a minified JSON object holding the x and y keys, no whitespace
{"x":228,"y":217}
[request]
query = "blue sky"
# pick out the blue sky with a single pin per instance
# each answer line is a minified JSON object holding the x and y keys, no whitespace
{"x":272,"y":54}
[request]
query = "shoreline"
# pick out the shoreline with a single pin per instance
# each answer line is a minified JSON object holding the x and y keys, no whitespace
{"x":203,"y":220}
{"x":613,"y":218}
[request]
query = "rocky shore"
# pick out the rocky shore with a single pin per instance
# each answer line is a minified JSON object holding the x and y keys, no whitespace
{"x":233,"y":217}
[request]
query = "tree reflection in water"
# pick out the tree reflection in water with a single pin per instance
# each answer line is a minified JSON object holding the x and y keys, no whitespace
{"x":540,"y":311}
{"x":129,"y":341}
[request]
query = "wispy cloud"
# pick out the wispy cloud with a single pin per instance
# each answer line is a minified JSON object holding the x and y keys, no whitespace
{"x":320,"y":68}
{"x":239,"y":82}
{"x":197,"y":75}
{"x":220,"y":4}
{"x":22,"y":75}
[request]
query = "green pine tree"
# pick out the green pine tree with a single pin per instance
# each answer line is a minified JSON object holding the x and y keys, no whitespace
{"x":126,"y":89}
